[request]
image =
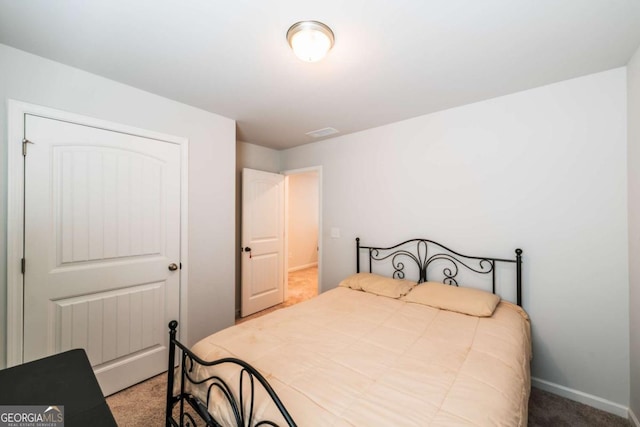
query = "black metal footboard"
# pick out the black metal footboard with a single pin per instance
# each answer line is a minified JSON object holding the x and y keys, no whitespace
{"x":240,"y":401}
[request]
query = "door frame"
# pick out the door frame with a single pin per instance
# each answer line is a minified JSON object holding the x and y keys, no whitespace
{"x":16,"y":112}
{"x":286,"y":173}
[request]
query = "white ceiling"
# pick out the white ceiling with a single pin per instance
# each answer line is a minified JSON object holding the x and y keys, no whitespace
{"x":392,"y":60}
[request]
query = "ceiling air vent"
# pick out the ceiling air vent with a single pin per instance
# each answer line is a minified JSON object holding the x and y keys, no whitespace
{"x":322,"y":132}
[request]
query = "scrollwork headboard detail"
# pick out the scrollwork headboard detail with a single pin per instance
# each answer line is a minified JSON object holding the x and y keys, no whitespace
{"x":424,"y":253}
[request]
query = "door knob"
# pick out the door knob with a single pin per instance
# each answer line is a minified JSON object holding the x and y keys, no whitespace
{"x":247,"y":249}
{"x":173,"y":266}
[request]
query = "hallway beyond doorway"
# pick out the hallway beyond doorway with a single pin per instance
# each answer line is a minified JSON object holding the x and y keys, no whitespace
{"x":303,"y":285}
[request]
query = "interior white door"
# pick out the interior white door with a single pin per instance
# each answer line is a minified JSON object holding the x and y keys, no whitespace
{"x":102,"y":230}
{"x":262,"y":240}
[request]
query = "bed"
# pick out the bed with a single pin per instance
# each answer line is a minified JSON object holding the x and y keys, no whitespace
{"x":416,"y":337}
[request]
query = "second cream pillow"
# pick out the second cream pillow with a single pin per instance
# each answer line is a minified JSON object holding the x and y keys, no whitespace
{"x":469,"y":301}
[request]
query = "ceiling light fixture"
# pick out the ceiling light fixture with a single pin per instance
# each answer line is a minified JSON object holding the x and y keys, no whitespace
{"x":310,"y":40}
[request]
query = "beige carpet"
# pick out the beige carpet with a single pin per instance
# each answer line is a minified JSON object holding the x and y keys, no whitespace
{"x":141,"y":405}
{"x":144,"y":404}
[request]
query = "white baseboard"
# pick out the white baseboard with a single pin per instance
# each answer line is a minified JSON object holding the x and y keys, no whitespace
{"x":579,"y":396}
{"x":302,"y":267}
{"x":633,"y":419}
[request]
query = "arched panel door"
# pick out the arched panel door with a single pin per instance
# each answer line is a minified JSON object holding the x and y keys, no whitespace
{"x":102,"y":247}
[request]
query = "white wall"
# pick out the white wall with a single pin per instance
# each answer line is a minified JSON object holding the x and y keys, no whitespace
{"x":302,"y":220}
{"x":544,"y":170}
{"x":633,"y":102}
{"x":256,"y":157}
{"x":32,"y":79}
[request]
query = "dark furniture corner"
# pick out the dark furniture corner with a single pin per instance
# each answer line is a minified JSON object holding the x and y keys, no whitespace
{"x":65,"y":379}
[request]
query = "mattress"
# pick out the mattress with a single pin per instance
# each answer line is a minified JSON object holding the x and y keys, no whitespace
{"x":351,"y":358}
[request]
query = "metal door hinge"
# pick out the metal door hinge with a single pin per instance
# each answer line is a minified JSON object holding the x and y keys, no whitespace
{"x":22,"y":265}
{"x":25,"y":141}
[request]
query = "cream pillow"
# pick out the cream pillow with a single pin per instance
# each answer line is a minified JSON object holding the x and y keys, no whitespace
{"x":353,"y":281}
{"x":469,"y":301}
{"x":379,"y":285}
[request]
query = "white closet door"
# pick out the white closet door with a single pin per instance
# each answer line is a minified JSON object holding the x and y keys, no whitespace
{"x":102,"y":230}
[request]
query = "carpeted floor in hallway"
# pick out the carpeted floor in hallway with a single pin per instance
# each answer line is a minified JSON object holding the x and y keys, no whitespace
{"x":303,"y":285}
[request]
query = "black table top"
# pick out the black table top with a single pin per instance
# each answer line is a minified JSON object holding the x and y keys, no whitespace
{"x":65,"y":379}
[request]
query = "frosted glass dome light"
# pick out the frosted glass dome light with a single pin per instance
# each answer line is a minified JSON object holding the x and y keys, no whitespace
{"x":310,"y":40}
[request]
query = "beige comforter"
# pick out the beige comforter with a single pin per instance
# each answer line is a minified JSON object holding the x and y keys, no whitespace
{"x":350,"y":358}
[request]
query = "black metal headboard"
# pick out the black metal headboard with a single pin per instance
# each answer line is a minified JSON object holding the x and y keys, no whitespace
{"x":424,"y":253}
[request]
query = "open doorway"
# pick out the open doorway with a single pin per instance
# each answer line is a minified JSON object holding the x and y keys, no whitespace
{"x":303,"y":234}
{"x":303,"y":238}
